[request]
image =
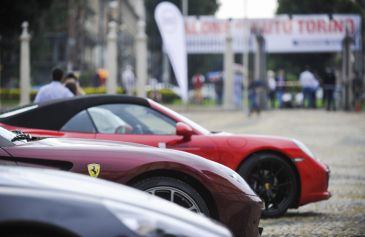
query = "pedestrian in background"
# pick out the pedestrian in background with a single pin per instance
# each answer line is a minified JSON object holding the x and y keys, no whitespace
{"x":238,"y":89}
{"x":216,"y":78}
{"x":280,"y":86}
{"x":272,"y":87}
{"x":308,"y":83}
{"x":54,"y":90}
{"x":128,"y":80}
{"x":198,"y":83}
{"x":72,"y":86}
{"x":253,"y":97}
{"x":357,"y":90}
{"x":155,"y":92}
{"x":329,"y":84}
{"x":314,"y":88}
{"x":71,"y":79}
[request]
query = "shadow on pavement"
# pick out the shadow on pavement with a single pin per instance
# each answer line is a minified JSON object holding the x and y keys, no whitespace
{"x":304,"y":214}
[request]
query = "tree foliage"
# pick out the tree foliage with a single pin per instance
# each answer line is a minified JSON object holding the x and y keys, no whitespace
{"x":317,"y":6}
{"x":12,"y":14}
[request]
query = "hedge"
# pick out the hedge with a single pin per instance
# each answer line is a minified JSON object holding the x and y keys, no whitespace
{"x":166,"y":95}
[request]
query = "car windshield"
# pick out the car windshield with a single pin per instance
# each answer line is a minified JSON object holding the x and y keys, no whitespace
{"x":181,"y":118}
{"x":106,"y":121}
{"x":6,"y":134}
{"x":8,"y":138}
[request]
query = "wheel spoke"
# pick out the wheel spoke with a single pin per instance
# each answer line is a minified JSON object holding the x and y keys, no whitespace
{"x":282,"y":184}
{"x":172,"y":196}
{"x":176,"y":196}
{"x":273,"y":180}
{"x":278,"y":171}
{"x":272,"y":168}
{"x":255,"y":176}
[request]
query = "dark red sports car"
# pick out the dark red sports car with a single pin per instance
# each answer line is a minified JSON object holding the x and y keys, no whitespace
{"x":185,"y":179}
{"x":283,"y":172}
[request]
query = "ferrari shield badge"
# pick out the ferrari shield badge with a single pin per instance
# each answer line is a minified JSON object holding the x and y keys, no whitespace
{"x":94,"y":169}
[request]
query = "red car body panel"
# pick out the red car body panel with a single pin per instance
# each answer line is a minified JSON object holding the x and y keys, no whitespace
{"x":227,"y":149}
{"x":240,"y":210}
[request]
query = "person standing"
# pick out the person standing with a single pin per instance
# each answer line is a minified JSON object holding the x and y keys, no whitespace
{"x":198,"y":83}
{"x":72,"y":86}
{"x":357,"y":90}
{"x":272,"y":87}
{"x":253,"y":97}
{"x":238,"y":88}
{"x":307,"y":82}
{"x":329,"y":84}
{"x":280,"y":87}
{"x":128,"y":80}
{"x":71,"y":79}
{"x":53,"y":90}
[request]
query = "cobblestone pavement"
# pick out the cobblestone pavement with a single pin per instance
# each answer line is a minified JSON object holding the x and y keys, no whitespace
{"x":338,"y":139}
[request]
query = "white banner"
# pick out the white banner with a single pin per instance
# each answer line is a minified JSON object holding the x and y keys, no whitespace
{"x":300,"y":33}
{"x":171,"y":25}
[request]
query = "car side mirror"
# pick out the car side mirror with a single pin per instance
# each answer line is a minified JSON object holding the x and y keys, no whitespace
{"x":184,"y":130}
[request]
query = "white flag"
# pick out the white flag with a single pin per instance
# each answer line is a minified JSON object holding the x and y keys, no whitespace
{"x":170,"y":22}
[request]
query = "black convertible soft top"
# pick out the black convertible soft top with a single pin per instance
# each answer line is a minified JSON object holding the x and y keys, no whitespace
{"x":54,"y":114}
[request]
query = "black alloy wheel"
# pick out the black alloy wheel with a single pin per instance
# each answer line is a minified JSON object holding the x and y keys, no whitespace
{"x":273,"y":179}
{"x":176,"y":191}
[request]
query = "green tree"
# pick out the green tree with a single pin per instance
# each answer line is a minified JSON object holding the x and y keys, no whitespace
{"x":317,"y":6}
{"x":12,"y":14}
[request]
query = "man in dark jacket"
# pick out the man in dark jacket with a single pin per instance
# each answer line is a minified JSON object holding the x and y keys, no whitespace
{"x":329,"y":84}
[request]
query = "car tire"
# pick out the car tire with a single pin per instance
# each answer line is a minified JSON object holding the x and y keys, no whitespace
{"x":174,"y":190}
{"x":273,"y":179}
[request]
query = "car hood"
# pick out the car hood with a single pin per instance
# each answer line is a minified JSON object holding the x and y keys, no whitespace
{"x":82,"y":143}
{"x":50,"y":146}
{"x":71,"y":183}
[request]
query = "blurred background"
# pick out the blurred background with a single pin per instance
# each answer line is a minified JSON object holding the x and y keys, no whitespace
{"x":72,"y":34}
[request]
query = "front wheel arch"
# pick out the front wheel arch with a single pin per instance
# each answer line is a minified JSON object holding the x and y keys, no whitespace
{"x":198,"y":186}
{"x":290,"y":162}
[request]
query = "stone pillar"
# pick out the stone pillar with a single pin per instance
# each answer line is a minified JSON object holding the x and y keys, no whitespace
{"x":245,"y":61}
{"x":260,"y":69}
{"x":165,"y":68}
{"x":228,"y":69}
{"x":141,"y":59}
{"x":111,"y":59}
{"x":347,"y":71}
{"x":24,"y":65}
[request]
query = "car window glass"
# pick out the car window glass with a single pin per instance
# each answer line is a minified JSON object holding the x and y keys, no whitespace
{"x":106,"y":121}
{"x":133,"y":119}
{"x":81,"y":122}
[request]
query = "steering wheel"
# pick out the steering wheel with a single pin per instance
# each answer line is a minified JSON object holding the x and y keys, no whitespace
{"x":120,"y":130}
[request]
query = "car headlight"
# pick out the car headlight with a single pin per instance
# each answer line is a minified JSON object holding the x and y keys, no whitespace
{"x":304,"y":148}
{"x":150,"y":223}
{"x":229,"y":172}
{"x":235,"y":177}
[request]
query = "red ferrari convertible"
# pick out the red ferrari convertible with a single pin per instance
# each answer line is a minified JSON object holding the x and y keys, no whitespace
{"x":283,"y":172}
{"x":190,"y":181}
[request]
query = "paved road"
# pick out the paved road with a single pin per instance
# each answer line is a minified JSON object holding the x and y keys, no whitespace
{"x":338,"y":139}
